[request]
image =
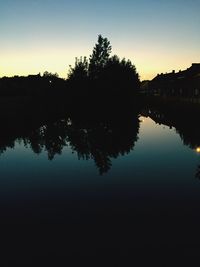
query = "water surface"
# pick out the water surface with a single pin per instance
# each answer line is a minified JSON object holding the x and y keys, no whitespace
{"x":135,"y":181}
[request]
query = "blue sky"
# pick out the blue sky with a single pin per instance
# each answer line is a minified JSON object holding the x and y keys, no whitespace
{"x":157,"y":36}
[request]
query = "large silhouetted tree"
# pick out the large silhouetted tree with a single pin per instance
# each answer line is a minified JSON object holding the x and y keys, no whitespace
{"x":105,"y":75}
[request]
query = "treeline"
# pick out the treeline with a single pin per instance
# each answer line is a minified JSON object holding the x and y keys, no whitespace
{"x":100,"y":76}
{"x":32,"y":85}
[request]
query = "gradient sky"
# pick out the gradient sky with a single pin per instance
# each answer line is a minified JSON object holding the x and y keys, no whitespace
{"x":156,"y":35}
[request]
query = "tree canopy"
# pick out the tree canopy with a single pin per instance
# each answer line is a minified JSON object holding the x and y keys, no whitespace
{"x":104,"y":71}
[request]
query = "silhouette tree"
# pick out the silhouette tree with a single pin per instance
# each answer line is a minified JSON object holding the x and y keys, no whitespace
{"x":50,"y":75}
{"x":108,"y":75}
{"x":120,"y":75}
{"x":99,"y":57}
{"x":80,"y":72}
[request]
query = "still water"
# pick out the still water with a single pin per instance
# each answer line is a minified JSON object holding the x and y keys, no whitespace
{"x":135,"y":181}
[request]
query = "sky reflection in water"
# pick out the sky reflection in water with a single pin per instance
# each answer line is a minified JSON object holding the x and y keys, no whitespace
{"x":149,"y":189}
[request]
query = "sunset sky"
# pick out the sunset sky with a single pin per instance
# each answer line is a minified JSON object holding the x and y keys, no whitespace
{"x":156,"y":35}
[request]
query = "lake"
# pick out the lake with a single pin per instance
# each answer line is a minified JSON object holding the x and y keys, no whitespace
{"x":132,"y":181}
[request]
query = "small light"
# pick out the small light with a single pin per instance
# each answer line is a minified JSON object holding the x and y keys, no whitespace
{"x":198,"y":149}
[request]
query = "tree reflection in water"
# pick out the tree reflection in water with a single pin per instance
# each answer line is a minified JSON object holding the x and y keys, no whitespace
{"x":99,"y":139}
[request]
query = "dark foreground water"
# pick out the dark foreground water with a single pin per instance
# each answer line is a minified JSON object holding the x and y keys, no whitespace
{"x":107,"y":184}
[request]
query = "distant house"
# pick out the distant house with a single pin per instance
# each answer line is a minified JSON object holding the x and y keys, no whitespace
{"x":184,"y":83}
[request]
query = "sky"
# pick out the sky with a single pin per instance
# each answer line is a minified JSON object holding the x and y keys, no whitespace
{"x":46,"y":35}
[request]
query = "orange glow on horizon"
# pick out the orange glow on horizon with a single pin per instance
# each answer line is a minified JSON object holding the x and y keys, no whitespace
{"x":33,"y":60}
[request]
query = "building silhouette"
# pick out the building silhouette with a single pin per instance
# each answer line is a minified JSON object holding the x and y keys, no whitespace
{"x":184,"y":83}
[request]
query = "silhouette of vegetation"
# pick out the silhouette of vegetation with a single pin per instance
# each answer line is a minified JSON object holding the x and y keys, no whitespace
{"x":50,"y":75}
{"x":120,"y":75}
{"x":32,"y":85}
{"x":80,"y":71}
{"x":102,"y":80}
{"x":78,"y":77}
{"x":107,"y":76}
{"x":99,"y":58}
